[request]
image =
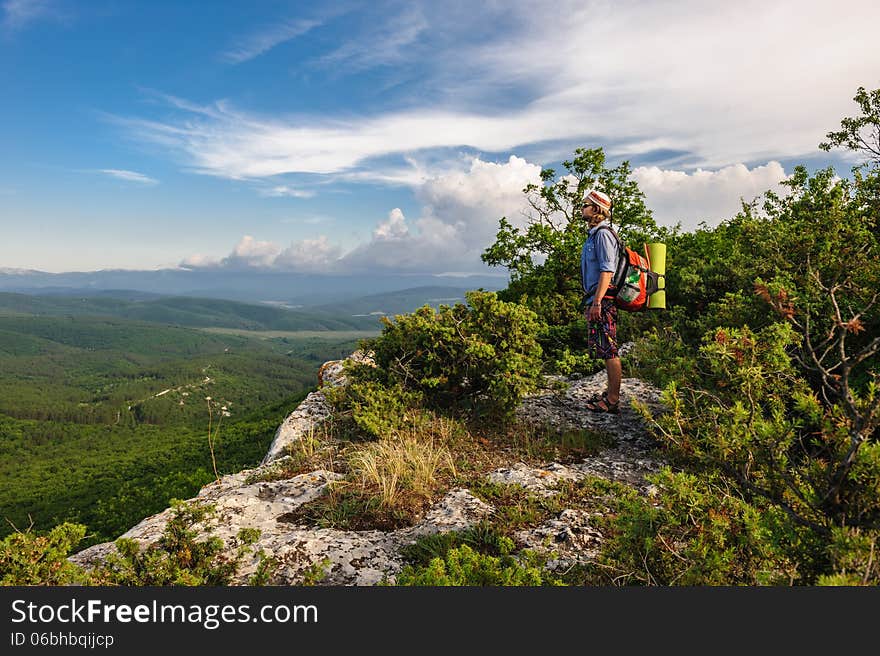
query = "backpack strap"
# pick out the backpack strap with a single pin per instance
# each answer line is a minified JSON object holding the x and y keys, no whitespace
{"x":611,"y":230}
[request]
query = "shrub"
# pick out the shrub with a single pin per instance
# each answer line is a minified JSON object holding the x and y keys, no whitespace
{"x":28,"y":558}
{"x":462,"y":566}
{"x":377,"y":409}
{"x":482,"y":356}
{"x":179,"y":557}
{"x":698,"y":532}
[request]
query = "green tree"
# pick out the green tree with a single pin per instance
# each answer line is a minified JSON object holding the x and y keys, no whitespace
{"x":860,"y":133}
{"x":543,"y":257}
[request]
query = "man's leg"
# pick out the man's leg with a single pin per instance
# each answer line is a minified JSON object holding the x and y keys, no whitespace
{"x":615,"y":373}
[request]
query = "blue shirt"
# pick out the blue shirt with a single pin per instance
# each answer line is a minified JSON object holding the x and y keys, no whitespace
{"x":598,"y":254}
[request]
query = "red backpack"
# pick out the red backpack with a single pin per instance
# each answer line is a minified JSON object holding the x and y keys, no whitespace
{"x":633,"y":281}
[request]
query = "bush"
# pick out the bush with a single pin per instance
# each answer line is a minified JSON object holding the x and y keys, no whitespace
{"x":463,"y":566}
{"x":41,"y":559}
{"x":699,"y":532}
{"x":483,"y":356}
{"x":377,"y":409}
{"x":178,"y":558}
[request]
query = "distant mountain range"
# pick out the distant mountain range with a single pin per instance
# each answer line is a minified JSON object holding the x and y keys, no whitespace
{"x":279,"y":288}
{"x":354,"y":314}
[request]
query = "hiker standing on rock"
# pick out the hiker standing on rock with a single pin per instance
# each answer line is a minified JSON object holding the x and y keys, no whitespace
{"x":598,"y":263}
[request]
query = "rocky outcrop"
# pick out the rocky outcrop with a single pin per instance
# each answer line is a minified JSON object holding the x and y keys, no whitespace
{"x":312,"y":410}
{"x":366,"y":557}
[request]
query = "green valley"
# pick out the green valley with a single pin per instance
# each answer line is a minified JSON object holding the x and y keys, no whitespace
{"x":105,"y":418}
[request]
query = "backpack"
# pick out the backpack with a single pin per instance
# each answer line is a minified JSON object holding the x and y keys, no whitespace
{"x":633,"y":281}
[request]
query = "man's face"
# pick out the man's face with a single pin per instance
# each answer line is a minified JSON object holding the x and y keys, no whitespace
{"x":588,"y":211}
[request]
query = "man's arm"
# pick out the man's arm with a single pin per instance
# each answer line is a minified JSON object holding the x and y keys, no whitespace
{"x":602,"y":287}
{"x":596,"y":307}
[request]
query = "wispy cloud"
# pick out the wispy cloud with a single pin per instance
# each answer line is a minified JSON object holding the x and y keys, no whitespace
{"x":231,"y":144}
{"x":263,"y":41}
{"x":717,"y":84}
{"x":382,"y":44}
{"x":129,"y":176}
{"x":17,"y":14}
{"x":287,"y":192}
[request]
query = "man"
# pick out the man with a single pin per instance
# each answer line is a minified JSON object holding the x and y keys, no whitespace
{"x":598,"y":263}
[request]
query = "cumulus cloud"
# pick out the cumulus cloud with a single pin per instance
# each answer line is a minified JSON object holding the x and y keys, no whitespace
{"x":704,"y":195}
{"x":394,"y":227}
{"x":309,"y":256}
{"x":250,"y":253}
{"x":200,"y":261}
{"x":129,"y":176}
{"x":458,"y":220}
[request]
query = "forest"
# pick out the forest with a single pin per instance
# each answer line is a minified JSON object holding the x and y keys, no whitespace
{"x":104,"y":420}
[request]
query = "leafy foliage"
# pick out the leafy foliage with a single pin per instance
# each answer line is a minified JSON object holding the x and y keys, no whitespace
{"x":482,"y":356}
{"x":463,"y":566}
{"x":860,"y":133}
{"x":772,"y":386}
{"x":179,"y":557}
{"x":699,"y":532}
{"x":28,"y":558}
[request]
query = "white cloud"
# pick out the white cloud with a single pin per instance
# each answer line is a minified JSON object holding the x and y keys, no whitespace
{"x":306,"y":256}
{"x":309,"y":256}
{"x":703,"y":195}
{"x":250,"y":253}
{"x":261,"y":42}
{"x":287,"y":191}
{"x":200,"y":261}
{"x":747,"y":82}
{"x":394,"y":227}
{"x":129,"y":176}
{"x":380,"y":44}
{"x":458,"y":221}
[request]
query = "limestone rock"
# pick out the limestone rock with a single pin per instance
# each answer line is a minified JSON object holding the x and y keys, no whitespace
{"x":313,"y":410}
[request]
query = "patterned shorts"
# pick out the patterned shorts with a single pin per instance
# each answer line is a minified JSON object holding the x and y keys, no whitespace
{"x":603,"y":333}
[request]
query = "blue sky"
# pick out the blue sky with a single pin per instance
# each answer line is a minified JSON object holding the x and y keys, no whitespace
{"x":391,"y":136}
